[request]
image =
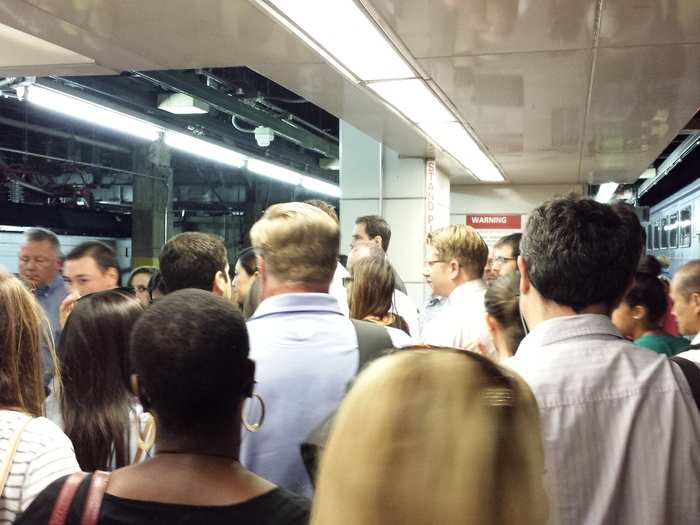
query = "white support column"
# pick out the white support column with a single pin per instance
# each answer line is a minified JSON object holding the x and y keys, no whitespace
{"x":411,"y":194}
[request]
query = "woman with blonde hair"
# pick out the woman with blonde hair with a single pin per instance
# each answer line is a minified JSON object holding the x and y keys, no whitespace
{"x":33,"y":451}
{"x":433,"y":436}
{"x":371,"y":288}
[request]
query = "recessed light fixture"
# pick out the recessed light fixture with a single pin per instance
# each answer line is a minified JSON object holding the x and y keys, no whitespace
{"x":182,"y":104}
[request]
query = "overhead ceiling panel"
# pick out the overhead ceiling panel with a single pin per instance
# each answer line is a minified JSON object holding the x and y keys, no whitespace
{"x":530,"y":124}
{"x":442,"y":28}
{"x":641,"y":98}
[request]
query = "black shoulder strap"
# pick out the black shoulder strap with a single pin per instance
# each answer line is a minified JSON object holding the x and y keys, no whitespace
{"x":692,"y":374}
{"x":372,"y":339}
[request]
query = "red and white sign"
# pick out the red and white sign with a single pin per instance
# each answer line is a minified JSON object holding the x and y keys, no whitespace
{"x":493,"y":221}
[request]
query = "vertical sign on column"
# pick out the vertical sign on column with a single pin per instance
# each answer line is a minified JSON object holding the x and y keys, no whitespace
{"x":430,"y":187}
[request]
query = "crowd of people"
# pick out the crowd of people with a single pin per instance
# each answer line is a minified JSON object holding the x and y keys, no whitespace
{"x":551,"y":379}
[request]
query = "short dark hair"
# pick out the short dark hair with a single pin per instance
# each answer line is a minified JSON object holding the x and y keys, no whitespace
{"x":104,"y":255}
{"x":325,"y":206}
{"x":376,"y":225}
{"x":42,"y":234}
{"x":190,"y":351}
{"x":192,"y":260}
{"x":580,"y":252}
{"x":512,"y":240}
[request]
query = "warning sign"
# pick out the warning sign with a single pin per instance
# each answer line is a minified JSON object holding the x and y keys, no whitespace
{"x":493,"y":226}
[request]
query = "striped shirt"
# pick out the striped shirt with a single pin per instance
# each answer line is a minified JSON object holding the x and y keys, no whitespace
{"x":44,"y":454}
{"x":620,"y":429}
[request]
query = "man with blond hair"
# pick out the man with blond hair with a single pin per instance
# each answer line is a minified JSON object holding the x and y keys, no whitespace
{"x":455,"y":260}
{"x":305,"y":349}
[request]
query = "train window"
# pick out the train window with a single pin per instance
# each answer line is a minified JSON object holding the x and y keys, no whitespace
{"x":686,"y":227}
{"x":672,"y":230}
{"x":656,"y":235}
{"x":663,"y":224}
{"x":650,"y":237}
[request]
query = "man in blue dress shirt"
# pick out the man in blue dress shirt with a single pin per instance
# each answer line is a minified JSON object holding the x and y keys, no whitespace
{"x":40,"y":263}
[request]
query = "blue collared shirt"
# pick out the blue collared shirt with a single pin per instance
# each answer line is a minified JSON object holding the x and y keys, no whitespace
{"x":50,"y":298}
{"x":305,"y":352}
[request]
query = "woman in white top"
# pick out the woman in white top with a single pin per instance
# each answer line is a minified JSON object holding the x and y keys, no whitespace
{"x":33,"y":451}
{"x":97,"y":409}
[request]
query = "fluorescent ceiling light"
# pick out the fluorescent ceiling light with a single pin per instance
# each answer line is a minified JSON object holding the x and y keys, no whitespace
{"x":413,"y":99}
{"x":456,"y":141}
{"x":606,"y":192}
{"x":320,"y":186}
{"x":182,"y":104}
{"x":93,"y":113}
{"x":203,"y":148}
{"x":347,"y":34}
{"x":273,"y":171}
{"x":648,"y":174}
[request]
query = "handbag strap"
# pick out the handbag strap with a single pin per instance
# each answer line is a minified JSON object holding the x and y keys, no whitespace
{"x":12,"y":445}
{"x":93,"y":500}
{"x":65,"y":498}
{"x":372,"y":340}
{"x":146,"y":439}
{"x":692,"y":375}
{"x":93,"y":503}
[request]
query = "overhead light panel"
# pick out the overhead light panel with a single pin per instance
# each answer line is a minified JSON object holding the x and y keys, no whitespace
{"x":203,"y":148}
{"x":606,"y":192}
{"x":181,"y":104}
{"x":413,"y":98}
{"x":320,"y":186}
{"x":457,"y":142}
{"x":93,"y":113}
{"x":343,"y":30}
{"x":267,"y":169}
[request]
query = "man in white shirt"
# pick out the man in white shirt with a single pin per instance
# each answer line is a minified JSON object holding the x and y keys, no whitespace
{"x":685,"y":293}
{"x":456,"y":256}
{"x":621,"y":432}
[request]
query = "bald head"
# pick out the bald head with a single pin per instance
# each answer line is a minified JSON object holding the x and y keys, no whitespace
{"x":362,"y":250}
{"x":685,"y":294}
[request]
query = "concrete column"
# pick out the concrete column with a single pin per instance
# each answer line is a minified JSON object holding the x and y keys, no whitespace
{"x":151,"y":220}
{"x":410,"y":193}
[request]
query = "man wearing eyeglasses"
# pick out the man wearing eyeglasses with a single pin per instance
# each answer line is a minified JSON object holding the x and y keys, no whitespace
{"x":505,"y":255}
{"x":455,"y":260}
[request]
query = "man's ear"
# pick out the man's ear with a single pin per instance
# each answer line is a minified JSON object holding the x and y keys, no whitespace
{"x":695,"y":301}
{"x":454,"y":269}
{"x":113,"y":275}
{"x":491,"y":323}
{"x":220,"y":283}
{"x":524,"y":275}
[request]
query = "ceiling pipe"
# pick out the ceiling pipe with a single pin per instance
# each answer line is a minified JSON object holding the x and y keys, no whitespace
{"x":63,"y":135}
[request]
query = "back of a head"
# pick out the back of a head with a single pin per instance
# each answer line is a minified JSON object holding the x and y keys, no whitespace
{"x":512,"y":241}
{"x":580,"y":252}
{"x":502,"y":303}
{"x":372,"y":290}
{"x":192,"y":260}
{"x":104,"y":255}
{"x":248,"y":260}
{"x":648,"y":291}
{"x":462,"y":243}
{"x":24,"y":329}
{"x":376,"y":225}
{"x":298,"y":242}
{"x":326,"y":207}
{"x":450,"y":435}
{"x":190,"y":350}
{"x":96,"y":395}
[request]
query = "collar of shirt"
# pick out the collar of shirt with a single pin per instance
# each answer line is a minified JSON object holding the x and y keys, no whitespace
{"x":465,"y":290}
{"x":558,"y":329}
{"x":57,"y":283}
{"x":696,"y":340}
{"x":297,"y":302}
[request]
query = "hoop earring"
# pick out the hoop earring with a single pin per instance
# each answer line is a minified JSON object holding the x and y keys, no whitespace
{"x":254,"y":427}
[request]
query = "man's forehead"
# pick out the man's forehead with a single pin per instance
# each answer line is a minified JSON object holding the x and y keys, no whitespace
{"x":81,"y":265}
{"x":503,"y":250}
{"x":37,"y":246}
